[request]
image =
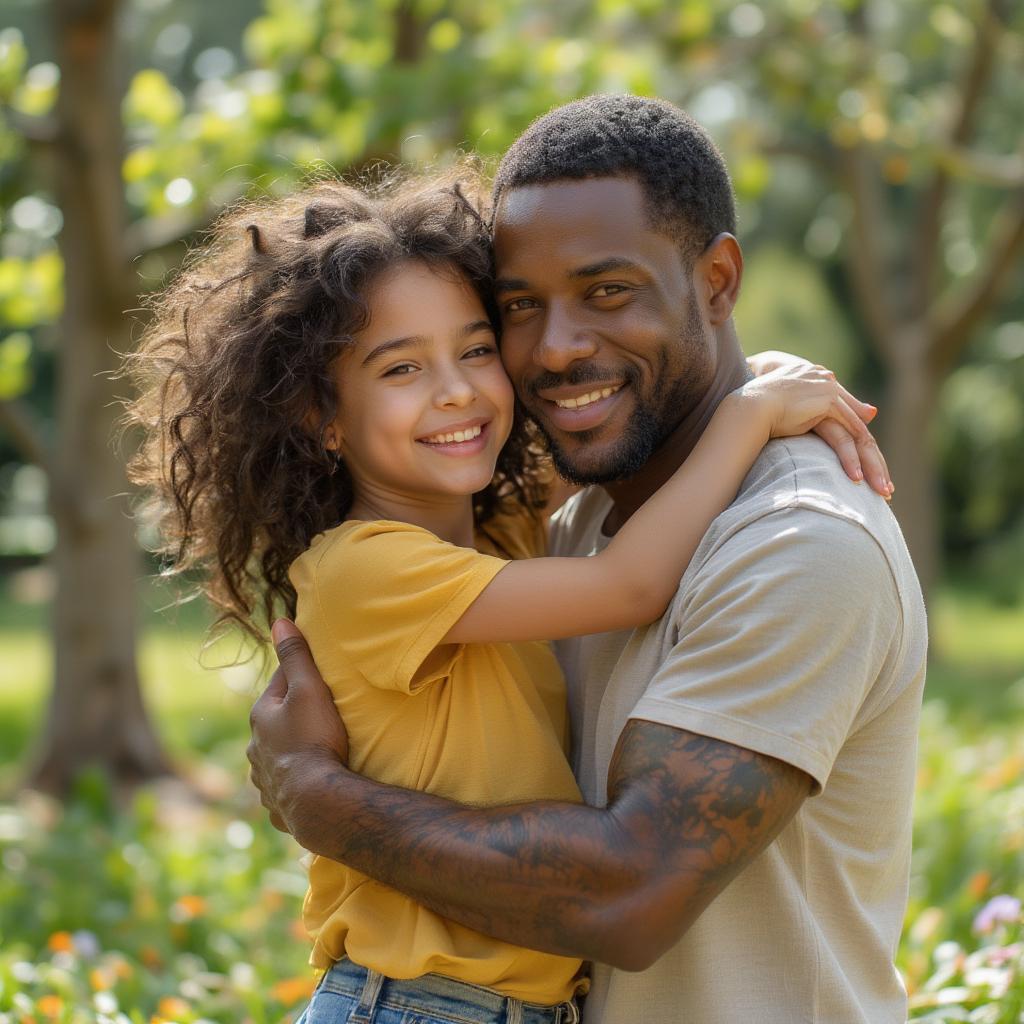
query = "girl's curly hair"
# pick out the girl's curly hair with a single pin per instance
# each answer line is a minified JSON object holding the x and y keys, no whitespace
{"x":233,"y":378}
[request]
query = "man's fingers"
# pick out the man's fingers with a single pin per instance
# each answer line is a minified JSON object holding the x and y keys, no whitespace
{"x":277,"y":687}
{"x":293,"y":653}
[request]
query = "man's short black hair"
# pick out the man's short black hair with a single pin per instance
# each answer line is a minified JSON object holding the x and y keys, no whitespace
{"x":679,"y":168}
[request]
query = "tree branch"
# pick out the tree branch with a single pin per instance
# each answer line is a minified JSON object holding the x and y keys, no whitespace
{"x":976,"y":77}
{"x":958,"y":316}
{"x":864,"y":259}
{"x":21,"y":426}
{"x":992,"y":169}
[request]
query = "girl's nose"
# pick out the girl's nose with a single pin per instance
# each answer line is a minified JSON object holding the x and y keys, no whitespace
{"x":455,"y":391}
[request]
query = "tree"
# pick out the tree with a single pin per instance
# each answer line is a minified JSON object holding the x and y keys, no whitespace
{"x":899,"y":108}
{"x":96,"y":713}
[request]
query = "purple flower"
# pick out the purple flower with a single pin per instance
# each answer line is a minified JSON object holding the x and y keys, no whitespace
{"x":86,"y":944}
{"x":998,"y":910}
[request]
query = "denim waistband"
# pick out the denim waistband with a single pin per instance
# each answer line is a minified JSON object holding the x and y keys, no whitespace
{"x":457,"y":1000}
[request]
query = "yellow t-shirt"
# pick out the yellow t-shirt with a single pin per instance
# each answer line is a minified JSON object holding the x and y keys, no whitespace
{"x":481,"y":724}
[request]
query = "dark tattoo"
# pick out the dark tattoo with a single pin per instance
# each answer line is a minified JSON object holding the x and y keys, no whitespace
{"x":685,"y":815}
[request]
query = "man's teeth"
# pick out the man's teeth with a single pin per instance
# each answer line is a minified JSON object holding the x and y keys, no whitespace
{"x":582,"y":400}
{"x":458,"y":435}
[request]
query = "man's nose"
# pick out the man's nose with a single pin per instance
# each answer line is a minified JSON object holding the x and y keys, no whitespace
{"x":563,"y":342}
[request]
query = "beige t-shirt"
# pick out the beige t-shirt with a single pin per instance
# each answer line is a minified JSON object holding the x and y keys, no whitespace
{"x":798,"y":631}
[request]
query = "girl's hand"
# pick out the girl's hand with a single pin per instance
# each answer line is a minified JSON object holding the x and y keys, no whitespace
{"x":857,"y":450}
{"x":797,"y":397}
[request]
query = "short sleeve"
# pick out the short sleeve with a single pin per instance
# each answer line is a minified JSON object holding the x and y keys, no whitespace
{"x":514,"y":532}
{"x":386,"y":594}
{"x":783,"y":634}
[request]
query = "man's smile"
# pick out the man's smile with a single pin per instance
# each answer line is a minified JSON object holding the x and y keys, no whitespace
{"x":580,"y":401}
{"x":579,"y":408}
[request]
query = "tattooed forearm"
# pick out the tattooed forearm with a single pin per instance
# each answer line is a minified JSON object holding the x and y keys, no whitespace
{"x":685,"y":814}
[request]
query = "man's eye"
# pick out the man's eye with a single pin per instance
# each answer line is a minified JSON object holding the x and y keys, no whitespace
{"x":518,"y":305}
{"x":604,"y":291}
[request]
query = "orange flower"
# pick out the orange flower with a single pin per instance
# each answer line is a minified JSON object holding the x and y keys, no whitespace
{"x":187,"y":907}
{"x":150,"y":956}
{"x":61,"y":942}
{"x":172,"y":1007}
{"x":978,"y":883}
{"x":271,"y":899}
{"x":291,"y":990}
{"x":50,"y":1006}
{"x":101,"y":978}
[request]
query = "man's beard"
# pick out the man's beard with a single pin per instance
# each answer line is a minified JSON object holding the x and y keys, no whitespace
{"x":652,"y":420}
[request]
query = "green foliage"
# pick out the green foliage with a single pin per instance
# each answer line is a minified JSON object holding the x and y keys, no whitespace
{"x":786,"y":304}
{"x":15,"y":373}
{"x":31,"y":290}
{"x":981,"y":423}
{"x":172,"y":911}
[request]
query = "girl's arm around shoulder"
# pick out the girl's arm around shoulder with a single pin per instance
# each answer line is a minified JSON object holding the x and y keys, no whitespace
{"x":632,"y":581}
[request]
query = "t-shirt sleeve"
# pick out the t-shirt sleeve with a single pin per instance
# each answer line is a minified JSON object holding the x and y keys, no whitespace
{"x":514,"y":532}
{"x":386,"y":594}
{"x":781,"y":638}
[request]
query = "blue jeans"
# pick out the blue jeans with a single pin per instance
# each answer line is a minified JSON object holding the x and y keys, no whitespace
{"x":348,"y":992}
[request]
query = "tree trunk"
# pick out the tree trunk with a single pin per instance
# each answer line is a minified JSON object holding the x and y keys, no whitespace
{"x":909,"y":446}
{"x":96,"y":715}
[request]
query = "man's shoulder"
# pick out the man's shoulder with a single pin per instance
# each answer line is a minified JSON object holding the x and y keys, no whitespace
{"x":799,"y":519}
{"x":802,"y":474}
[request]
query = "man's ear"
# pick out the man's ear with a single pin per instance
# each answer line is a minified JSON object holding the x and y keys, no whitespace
{"x":721,"y":271}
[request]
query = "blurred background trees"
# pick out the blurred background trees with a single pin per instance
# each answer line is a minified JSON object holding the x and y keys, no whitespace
{"x":877,"y":153}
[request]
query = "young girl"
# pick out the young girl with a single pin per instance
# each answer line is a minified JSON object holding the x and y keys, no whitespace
{"x":330,"y":433}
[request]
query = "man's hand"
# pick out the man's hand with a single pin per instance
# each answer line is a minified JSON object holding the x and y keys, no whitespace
{"x":296,"y":730}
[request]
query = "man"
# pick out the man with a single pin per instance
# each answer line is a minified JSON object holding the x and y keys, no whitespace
{"x":748,"y":760}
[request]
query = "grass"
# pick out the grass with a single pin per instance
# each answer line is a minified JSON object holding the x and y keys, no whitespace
{"x":178,"y":911}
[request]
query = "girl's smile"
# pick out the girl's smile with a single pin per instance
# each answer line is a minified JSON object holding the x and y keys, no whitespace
{"x":459,"y":438}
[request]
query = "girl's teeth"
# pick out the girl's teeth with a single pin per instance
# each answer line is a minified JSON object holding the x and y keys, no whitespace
{"x":457,"y":436}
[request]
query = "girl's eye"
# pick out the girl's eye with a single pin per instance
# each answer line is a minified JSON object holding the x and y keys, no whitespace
{"x":479,"y":350}
{"x":400,"y":370}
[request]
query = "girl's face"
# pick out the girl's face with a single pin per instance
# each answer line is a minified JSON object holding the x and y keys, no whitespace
{"x":424,"y":403}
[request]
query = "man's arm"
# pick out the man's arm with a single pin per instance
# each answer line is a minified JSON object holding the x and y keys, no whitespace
{"x":619,"y":885}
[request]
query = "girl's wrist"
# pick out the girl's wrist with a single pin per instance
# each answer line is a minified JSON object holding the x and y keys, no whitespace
{"x":749,"y":408}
